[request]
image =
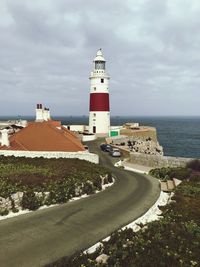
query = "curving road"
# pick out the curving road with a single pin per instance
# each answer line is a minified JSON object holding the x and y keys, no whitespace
{"x":44,"y":236}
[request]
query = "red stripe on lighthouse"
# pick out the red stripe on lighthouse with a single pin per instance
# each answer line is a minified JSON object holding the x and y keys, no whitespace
{"x":99,"y":102}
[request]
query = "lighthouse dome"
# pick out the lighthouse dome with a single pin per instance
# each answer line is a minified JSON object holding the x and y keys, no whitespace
{"x":99,"y":56}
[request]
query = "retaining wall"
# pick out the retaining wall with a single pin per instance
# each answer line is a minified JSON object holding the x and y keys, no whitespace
{"x":52,"y":154}
{"x":156,"y":161}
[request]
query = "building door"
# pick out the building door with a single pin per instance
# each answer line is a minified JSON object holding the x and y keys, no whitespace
{"x":94,"y":129}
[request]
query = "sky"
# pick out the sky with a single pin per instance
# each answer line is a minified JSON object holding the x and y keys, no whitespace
{"x":152,"y":49}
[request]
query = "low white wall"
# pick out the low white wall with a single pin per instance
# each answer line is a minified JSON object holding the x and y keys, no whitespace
{"x":52,"y":154}
{"x":86,"y":138}
{"x":76,"y":128}
{"x":115,"y":127}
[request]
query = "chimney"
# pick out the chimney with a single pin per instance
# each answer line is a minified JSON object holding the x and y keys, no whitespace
{"x":45,"y":114}
{"x":5,"y":138}
{"x":39,"y":113}
{"x":48,"y":117}
{"x":48,"y":114}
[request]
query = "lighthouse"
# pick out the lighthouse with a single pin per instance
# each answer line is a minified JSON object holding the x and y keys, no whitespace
{"x":99,"y":117}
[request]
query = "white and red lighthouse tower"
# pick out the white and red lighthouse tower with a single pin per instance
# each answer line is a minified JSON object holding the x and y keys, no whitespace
{"x":99,"y":118}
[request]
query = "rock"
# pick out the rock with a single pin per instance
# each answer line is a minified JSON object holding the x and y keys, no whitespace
{"x":17,"y":198}
{"x":103,"y":258}
{"x":5,"y":203}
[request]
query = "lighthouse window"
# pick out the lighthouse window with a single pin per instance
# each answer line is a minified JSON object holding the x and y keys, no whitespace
{"x":94,"y":114}
{"x":102,"y":80}
{"x":95,"y":88}
{"x":99,"y":65}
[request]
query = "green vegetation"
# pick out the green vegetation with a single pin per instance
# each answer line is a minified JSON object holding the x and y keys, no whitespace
{"x":173,"y":241}
{"x":170,"y":173}
{"x":48,"y":181}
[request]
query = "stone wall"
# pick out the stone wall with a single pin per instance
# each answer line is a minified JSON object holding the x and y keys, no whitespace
{"x":52,"y":154}
{"x":132,"y":144}
{"x":156,"y":161}
{"x":142,"y":133}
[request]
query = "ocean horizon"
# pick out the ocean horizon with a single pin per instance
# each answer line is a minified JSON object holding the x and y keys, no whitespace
{"x":179,"y":135}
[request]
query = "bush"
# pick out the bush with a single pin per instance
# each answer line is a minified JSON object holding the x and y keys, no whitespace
{"x":30,"y":201}
{"x":169,"y":173}
{"x":194,"y":165}
{"x":105,"y":180}
{"x":15,"y":210}
{"x":189,"y":190}
{"x":4,"y":212}
{"x":110,"y":178}
{"x":88,"y":188}
{"x":195,"y":177}
{"x":97,"y":183}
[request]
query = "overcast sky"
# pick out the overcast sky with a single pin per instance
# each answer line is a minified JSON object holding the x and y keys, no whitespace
{"x":152,"y":48}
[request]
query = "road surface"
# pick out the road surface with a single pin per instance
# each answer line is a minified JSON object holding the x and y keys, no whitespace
{"x":43,"y":236}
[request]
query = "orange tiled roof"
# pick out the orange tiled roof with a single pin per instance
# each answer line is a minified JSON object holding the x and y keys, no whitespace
{"x":44,"y":136}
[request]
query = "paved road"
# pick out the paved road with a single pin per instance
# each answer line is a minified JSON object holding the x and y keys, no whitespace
{"x":46,"y":235}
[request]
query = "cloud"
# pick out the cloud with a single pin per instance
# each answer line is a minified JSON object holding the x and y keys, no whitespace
{"x":151,"y":47}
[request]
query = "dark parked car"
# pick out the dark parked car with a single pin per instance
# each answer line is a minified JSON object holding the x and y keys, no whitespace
{"x":106,"y":147}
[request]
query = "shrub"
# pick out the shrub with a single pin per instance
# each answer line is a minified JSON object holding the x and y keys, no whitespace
{"x":30,"y":201}
{"x":169,"y":173}
{"x":88,"y":188}
{"x":194,"y":165}
{"x":98,"y":183}
{"x":105,"y":180}
{"x":189,"y":190}
{"x":15,"y":210}
{"x":195,"y":177}
{"x":110,"y":178}
{"x":4,"y":212}
{"x":60,"y":195}
{"x":50,"y":199}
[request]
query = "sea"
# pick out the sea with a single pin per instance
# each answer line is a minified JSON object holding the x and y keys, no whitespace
{"x":179,"y":136}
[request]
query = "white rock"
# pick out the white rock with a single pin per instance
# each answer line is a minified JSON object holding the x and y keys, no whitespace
{"x":103,"y":258}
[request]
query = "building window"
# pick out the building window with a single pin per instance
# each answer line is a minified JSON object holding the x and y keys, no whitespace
{"x":102,"y":80}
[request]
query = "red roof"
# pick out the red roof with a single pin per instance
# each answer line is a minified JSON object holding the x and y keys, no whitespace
{"x":44,"y":136}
